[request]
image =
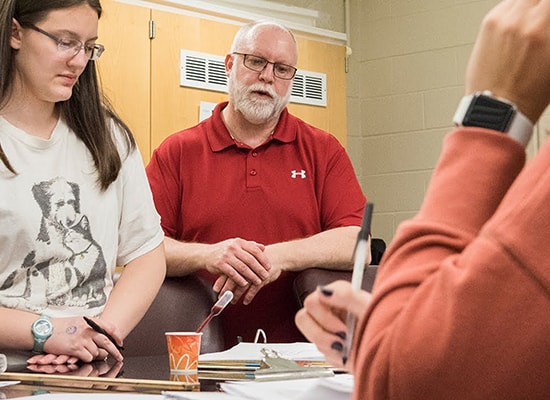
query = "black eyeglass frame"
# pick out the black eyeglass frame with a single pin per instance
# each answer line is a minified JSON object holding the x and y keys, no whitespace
{"x":266,"y":62}
{"x":95,"y":50}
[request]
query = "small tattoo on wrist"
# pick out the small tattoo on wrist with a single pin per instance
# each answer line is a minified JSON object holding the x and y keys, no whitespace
{"x":71,"y":330}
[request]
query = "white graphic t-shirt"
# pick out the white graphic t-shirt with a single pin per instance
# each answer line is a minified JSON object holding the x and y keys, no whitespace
{"x":61,"y":237}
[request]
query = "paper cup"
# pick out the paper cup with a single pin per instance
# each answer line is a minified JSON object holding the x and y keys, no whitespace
{"x":183,"y":351}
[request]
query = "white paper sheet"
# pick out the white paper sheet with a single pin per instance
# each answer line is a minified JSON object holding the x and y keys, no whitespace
{"x":339,"y":387}
{"x":8,"y":383}
{"x":300,"y":351}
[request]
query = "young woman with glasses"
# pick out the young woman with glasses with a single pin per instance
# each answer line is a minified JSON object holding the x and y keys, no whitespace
{"x":75,"y":200}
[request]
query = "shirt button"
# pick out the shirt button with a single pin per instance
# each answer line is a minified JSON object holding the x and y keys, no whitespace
{"x":254,"y":154}
{"x":253,"y":172}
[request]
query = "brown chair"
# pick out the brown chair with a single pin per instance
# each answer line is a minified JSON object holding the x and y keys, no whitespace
{"x":308,"y":280}
{"x":181,"y":305}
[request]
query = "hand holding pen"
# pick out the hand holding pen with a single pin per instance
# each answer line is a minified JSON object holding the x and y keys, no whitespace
{"x":102,"y":331}
{"x":329,"y":314}
{"x":360,"y":257}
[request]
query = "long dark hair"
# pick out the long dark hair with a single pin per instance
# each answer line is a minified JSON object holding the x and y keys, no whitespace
{"x":87,"y":112}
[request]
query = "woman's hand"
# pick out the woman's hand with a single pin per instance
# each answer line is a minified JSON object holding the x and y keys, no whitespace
{"x":511,"y":56}
{"x":74,"y":340}
{"x":322,"y":320}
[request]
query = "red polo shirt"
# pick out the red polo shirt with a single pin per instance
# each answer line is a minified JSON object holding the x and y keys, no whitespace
{"x":208,"y":189}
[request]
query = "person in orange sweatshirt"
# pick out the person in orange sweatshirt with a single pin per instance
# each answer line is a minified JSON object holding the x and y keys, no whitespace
{"x":460,"y":307}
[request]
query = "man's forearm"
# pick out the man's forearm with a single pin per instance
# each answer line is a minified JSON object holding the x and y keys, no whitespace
{"x":331,"y":249}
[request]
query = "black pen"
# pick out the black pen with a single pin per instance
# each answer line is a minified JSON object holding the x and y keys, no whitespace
{"x":99,"y":329}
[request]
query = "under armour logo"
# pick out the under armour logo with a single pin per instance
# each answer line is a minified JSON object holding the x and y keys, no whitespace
{"x":301,"y":174}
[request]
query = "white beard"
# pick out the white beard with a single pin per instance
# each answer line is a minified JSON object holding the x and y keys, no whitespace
{"x":256,"y":111}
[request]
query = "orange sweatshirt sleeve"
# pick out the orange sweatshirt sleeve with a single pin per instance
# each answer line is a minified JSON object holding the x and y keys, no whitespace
{"x":460,"y":306}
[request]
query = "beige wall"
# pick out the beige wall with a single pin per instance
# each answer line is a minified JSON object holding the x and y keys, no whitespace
{"x":405,"y":80}
{"x":403,"y":86}
{"x":331,"y":12}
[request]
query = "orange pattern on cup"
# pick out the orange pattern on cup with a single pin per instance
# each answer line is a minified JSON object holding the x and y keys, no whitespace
{"x":183,"y":350}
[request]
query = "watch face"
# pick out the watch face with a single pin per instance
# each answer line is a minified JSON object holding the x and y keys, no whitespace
{"x":42,"y":327}
{"x":488,"y":112}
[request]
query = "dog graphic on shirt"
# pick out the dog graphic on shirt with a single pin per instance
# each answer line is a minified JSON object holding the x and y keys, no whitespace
{"x":67,"y":267}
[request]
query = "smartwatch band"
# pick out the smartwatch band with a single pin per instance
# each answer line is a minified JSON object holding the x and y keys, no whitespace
{"x":484,"y":110}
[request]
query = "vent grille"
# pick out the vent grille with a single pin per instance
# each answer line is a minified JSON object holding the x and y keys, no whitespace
{"x":202,"y":72}
{"x":310,"y":86}
{"x":207,"y":71}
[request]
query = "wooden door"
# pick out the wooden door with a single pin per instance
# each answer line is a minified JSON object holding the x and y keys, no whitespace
{"x":125,"y":66}
{"x":175,"y":107}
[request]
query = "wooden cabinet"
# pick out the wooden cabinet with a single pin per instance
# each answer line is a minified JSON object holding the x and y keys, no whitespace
{"x":125,"y":69}
{"x":141,"y":75}
{"x":175,"y":107}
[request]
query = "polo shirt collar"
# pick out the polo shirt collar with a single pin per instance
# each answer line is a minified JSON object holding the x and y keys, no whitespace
{"x":219,"y":137}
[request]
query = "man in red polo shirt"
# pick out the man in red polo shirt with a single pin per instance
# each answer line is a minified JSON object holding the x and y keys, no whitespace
{"x":252,"y":194}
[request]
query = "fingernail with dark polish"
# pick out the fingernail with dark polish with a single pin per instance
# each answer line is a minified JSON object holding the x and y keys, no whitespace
{"x":341,"y":335}
{"x":325,"y":291}
{"x":337,"y":346}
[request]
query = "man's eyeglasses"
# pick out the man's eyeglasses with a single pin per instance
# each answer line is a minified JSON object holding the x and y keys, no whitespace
{"x":71,"y":47}
{"x":258,"y":64}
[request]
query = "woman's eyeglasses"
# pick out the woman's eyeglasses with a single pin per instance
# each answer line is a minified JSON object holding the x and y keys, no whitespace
{"x":71,"y":47}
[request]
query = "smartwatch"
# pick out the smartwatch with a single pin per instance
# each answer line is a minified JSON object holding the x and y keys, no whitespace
{"x":483,"y":110}
{"x":41,"y":330}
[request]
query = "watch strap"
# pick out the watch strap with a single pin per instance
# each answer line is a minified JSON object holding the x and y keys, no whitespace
{"x":519,"y":127}
{"x":38,"y":346}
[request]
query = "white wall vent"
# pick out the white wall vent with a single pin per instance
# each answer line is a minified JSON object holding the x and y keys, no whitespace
{"x":309,"y":88}
{"x":203,"y":71}
{"x":207,"y":71}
